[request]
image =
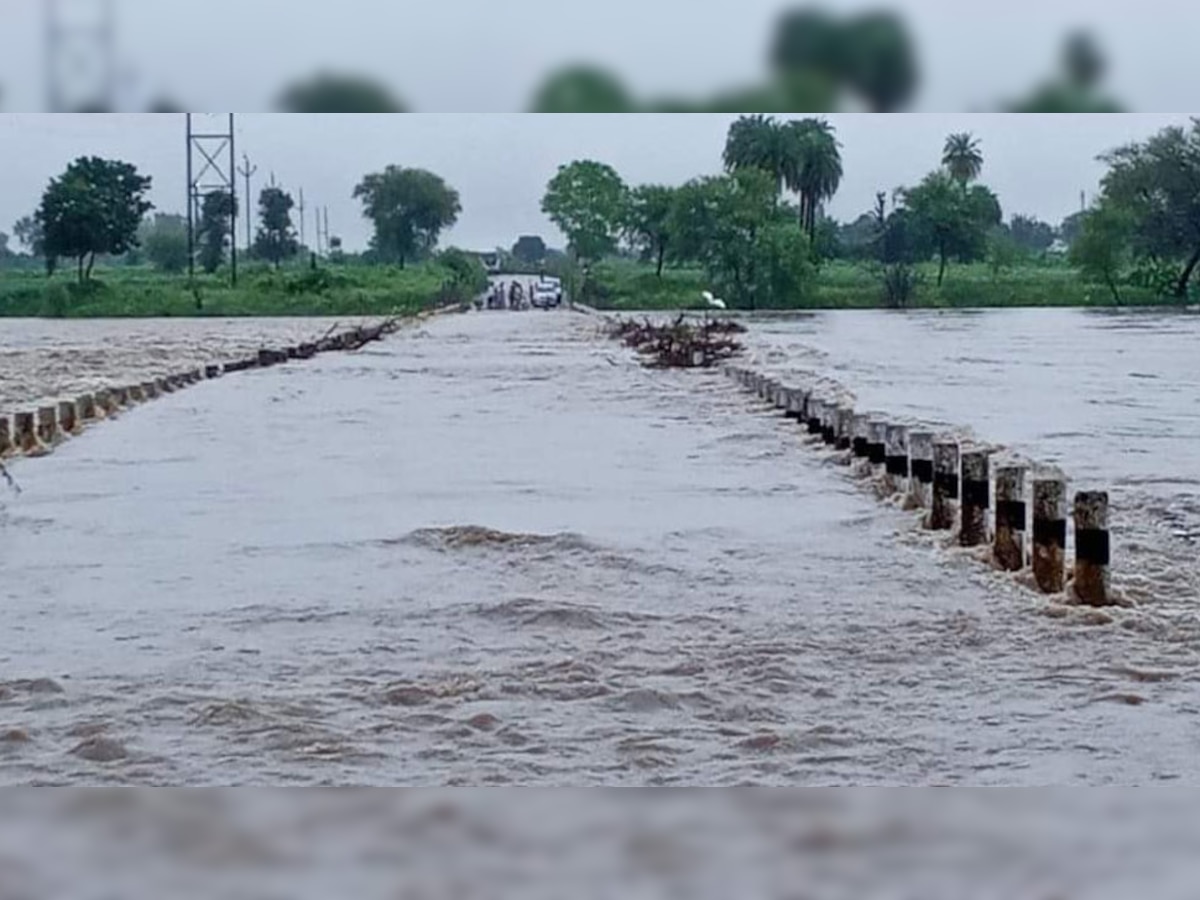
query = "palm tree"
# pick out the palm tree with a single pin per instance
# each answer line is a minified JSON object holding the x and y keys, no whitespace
{"x":802,"y":156}
{"x":961,"y":157}
{"x":819,"y":172}
{"x":759,"y":142}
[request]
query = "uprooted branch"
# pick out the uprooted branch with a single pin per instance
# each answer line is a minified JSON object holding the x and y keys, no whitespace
{"x":681,"y":344}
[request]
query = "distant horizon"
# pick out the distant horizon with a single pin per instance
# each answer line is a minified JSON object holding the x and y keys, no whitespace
{"x":1038,"y":165}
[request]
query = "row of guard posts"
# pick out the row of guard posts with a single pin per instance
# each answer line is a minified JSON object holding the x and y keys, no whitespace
{"x":954,"y":483}
{"x":36,"y":432}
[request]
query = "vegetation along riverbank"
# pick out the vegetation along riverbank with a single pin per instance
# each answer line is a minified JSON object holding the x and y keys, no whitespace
{"x":757,"y":235}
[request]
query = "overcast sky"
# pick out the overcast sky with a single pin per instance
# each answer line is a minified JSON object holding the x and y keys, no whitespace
{"x":486,"y":56}
{"x":500,"y":163}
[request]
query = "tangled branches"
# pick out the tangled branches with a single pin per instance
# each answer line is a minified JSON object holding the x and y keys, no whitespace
{"x":680,"y":344}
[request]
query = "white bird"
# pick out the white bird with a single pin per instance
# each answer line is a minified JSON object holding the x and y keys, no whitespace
{"x":712,"y":301}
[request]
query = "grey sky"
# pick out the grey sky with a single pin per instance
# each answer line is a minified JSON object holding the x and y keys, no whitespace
{"x":483,"y":56}
{"x":500,"y":163}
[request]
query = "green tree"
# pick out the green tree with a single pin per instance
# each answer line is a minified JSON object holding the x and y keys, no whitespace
{"x":583,"y":89}
{"x":1070,"y":227}
{"x":955,"y":218}
{"x":820,"y":168}
{"x":1003,"y":252}
{"x":165,"y":240}
{"x":1157,"y":182}
{"x":870,"y":54}
{"x":28,"y":232}
{"x":647,"y":223}
{"x":962,"y":157}
{"x":276,"y":237}
{"x":1031,"y":234}
{"x":94,"y":207}
{"x":761,"y":142}
{"x":329,"y":92}
{"x":1075,"y":88}
{"x":782,"y":265}
{"x":409,"y":209}
{"x":880,"y":60}
{"x":214,"y":231}
{"x":529,"y":249}
{"x":801,"y":156}
{"x":1101,"y":251}
{"x":587,"y":201}
{"x":725,"y":223}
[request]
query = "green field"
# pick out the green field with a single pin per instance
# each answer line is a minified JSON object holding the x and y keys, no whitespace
{"x":142,"y":292}
{"x":628,"y":285}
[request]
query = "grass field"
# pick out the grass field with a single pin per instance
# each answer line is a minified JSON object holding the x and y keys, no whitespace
{"x":142,"y":292}
{"x":624,"y":284}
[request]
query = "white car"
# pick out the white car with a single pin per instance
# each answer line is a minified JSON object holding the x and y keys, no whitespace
{"x":546,"y":295}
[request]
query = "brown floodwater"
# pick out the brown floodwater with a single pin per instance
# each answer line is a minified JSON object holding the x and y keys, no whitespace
{"x":494,"y":550}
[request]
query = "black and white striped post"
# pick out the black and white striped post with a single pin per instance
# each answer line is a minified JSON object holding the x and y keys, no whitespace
{"x":1049,"y":533}
{"x":1008,"y":548}
{"x":844,"y":429}
{"x":896,"y":455}
{"x":975,"y":498}
{"x":860,"y":435}
{"x":920,"y":482}
{"x":877,"y":443}
{"x":1092,"y":553}
{"x":945,"y":485}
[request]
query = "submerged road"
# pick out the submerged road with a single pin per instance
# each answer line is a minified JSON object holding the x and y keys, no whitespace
{"x":494,"y":550}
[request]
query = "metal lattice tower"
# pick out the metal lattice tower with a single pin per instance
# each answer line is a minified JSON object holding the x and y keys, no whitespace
{"x":81,"y":61}
{"x":216,"y":150}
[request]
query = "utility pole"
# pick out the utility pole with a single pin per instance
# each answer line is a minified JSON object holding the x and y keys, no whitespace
{"x":303,"y":243}
{"x":246,"y":171}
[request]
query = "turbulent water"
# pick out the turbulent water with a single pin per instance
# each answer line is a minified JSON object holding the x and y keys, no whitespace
{"x":42,"y":361}
{"x":495,"y":550}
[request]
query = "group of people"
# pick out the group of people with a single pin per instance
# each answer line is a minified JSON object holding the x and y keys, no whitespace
{"x":517,"y":296}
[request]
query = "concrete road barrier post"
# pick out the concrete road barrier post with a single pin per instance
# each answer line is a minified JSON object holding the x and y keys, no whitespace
{"x":136,"y":393}
{"x":945,"y":485}
{"x":859,"y":435}
{"x":86,"y":405}
{"x":1049,"y":533}
{"x":212,"y":371}
{"x":6,"y":438}
{"x":829,"y":422}
{"x":68,"y":417}
{"x":845,"y":427}
{"x":877,"y":443}
{"x":123,"y":396}
{"x":815,"y":412}
{"x":1008,"y":548}
{"x":920,"y":479}
{"x":47,"y":426}
{"x":1092,"y":553}
{"x":25,"y":432}
{"x":975,"y":498}
{"x":896,"y":456}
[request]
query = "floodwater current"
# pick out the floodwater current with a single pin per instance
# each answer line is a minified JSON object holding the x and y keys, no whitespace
{"x":495,"y":550}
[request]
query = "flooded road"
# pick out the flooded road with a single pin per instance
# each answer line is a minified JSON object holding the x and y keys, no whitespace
{"x":494,"y":550}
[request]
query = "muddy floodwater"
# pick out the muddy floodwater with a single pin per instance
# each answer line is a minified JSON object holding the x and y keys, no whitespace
{"x":495,"y":550}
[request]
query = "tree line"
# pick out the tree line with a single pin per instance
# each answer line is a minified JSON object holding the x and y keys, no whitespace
{"x":760,"y":232}
{"x":99,"y":208}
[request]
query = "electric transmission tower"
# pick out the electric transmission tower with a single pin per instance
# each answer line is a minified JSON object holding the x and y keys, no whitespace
{"x":218,"y":173}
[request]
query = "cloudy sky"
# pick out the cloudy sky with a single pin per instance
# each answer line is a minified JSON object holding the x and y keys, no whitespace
{"x":500,"y":163}
{"x":485,"y":56}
